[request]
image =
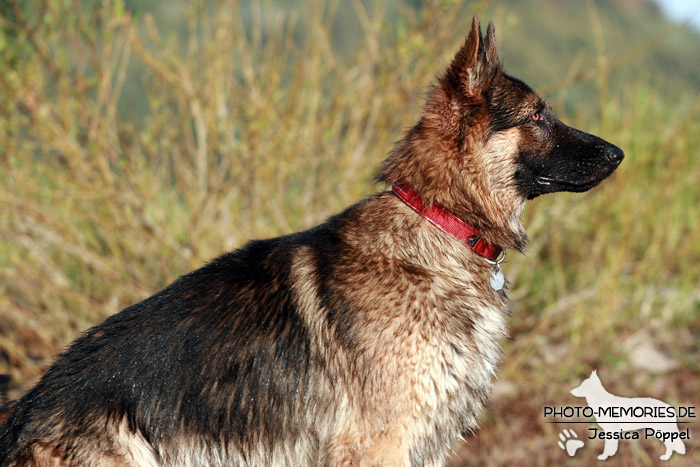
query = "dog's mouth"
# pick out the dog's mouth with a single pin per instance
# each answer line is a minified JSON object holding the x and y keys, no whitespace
{"x":566,"y":185}
{"x":582,"y":177}
{"x":547,"y":184}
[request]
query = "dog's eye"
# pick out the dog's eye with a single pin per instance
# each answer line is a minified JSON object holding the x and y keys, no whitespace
{"x":536,"y":117}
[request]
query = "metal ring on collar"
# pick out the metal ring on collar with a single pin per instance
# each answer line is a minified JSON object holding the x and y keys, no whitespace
{"x":498,"y":261}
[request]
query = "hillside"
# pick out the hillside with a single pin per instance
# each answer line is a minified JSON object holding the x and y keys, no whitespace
{"x":544,"y":41}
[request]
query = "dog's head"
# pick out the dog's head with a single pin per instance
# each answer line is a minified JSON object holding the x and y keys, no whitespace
{"x":486,"y":142}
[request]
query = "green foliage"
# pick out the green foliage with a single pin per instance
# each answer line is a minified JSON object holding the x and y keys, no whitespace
{"x":253,"y":124}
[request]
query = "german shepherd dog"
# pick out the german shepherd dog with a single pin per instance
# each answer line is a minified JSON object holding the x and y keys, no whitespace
{"x":371,"y":339}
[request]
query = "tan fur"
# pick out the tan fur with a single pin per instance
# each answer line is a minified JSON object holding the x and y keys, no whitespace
{"x":46,"y":455}
{"x":430,"y":324}
{"x":117,"y":446}
{"x":499,"y":198}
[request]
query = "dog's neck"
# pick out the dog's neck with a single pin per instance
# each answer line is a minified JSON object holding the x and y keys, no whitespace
{"x":494,"y":214}
{"x":448,"y":222}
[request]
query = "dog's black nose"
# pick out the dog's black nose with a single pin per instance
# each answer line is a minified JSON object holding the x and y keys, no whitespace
{"x":614,"y":154}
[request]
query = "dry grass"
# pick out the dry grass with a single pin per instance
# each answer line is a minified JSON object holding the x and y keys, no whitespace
{"x":259,"y":129}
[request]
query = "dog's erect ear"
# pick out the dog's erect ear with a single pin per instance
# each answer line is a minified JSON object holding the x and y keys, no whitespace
{"x":490,"y":46}
{"x":475,"y":64}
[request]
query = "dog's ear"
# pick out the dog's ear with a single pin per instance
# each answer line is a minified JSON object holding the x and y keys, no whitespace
{"x":475,"y":65}
{"x":490,"y":47}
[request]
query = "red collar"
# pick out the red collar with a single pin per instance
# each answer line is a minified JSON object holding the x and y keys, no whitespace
{"x":447,"y":222}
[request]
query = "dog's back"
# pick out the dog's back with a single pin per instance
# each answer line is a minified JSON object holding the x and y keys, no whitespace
{"x":218,"y":353}
{"x":279,"y":353}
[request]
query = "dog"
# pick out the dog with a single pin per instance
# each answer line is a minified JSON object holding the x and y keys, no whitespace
{"x":617,"y":415}
{"x":371,"y":339}
{"x":4,"y":383}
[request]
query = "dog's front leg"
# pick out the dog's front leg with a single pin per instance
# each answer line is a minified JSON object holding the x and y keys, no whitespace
{"x":387,"y":449}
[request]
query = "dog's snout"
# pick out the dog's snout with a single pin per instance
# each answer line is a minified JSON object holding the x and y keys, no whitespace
{"x":613,"y":154}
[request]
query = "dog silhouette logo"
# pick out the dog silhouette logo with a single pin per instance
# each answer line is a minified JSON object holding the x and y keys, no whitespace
{"x":623,"y":418}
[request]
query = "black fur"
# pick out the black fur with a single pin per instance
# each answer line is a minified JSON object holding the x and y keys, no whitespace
{"x":571,"y":161}
{"x":216,"y":355}
{"x":4,"y":383}
{"x":511,"y":104}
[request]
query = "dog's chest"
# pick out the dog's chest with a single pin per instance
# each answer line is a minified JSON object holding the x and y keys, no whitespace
{"x":461,"y":348}
{"x":464,"y":356}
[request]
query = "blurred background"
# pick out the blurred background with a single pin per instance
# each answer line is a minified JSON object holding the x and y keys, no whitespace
{"x":140,"y":138}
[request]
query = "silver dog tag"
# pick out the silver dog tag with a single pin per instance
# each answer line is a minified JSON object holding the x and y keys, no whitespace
{"x":497,"y":280}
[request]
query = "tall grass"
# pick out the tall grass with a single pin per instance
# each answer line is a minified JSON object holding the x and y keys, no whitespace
{"x":258,"y":129}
